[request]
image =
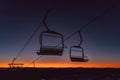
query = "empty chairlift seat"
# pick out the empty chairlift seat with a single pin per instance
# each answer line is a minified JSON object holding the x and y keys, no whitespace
{"x":51,"y":43}
{"x":77,"y":54}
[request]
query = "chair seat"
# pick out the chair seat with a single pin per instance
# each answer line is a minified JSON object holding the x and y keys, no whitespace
{"x":79,"y":59}
{"x":50,"y":51}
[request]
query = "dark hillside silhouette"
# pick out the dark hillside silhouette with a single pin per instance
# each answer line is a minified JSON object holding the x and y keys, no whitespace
{"x":60,"y":74}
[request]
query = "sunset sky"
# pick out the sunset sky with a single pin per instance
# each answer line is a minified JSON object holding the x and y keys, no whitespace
{"x":101,"y":39}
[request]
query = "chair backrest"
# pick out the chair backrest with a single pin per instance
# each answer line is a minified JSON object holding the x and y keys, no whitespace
{"x":77,"y":54}
{"x":50,"y":49}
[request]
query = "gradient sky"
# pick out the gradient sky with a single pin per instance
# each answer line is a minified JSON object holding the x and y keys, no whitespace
{"x":19,"y":18}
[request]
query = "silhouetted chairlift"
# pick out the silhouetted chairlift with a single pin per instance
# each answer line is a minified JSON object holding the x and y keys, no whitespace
{"x":77,"y":52}
{"x":15,"y":65}
{"x":46,"y":49}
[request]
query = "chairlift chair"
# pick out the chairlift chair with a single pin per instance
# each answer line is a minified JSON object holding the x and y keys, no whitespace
{"x":77,"y":52}
{"x":46,"y":49}
{"x":15,"y":65}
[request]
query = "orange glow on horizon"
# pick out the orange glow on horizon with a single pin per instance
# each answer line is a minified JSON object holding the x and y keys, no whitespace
{"x":66,"y":65}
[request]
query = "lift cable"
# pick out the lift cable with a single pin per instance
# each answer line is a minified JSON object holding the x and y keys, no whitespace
{"x":29,"y":39}
{"x":91,"y":21}
{"x":33,"y":62}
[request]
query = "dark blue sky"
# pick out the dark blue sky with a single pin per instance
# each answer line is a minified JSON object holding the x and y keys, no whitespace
{"x":19,"y":18}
